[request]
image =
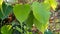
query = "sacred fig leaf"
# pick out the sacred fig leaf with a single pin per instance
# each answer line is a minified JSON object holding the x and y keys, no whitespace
{"x":21,"y":11}
{"x":1,"y":3}
{"x":41,"y":13}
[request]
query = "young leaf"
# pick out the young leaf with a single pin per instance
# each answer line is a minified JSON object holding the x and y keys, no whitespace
{"x":41,"y":13}
{"x":21,"y":11}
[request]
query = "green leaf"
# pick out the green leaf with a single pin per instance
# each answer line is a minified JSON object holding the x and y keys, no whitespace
{"x":41,"y":13}
{"x":21,"y":11}
{"x":6,"y":29}
{"x":29,"y":21}
{"x":7,"y":9}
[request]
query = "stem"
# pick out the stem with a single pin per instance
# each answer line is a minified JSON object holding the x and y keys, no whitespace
{"x":21,"y":28}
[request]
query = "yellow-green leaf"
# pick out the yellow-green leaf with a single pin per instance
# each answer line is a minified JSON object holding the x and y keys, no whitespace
{"x":1,"y":3}
{"x":42,"y":14}
{"x":53,"y":3}
{"x":6,"y":29}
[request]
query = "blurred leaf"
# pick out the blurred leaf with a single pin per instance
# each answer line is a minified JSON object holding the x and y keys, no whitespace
{"x":41,"y":13}
{"x":48,"y":32}
{"x":7,"y":9}
{"x":6,"y":29}
{"x":1,"y":3}
{"x":53,"y":3}
{"x":21,"y":12}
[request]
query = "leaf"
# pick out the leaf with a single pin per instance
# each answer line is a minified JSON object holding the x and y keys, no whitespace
{"x":1,"y":3}
{"x":21,"y":12}
{"x":29,"y":21}
{"x":41,"y":13}
{"x":40,"y":26}
{"x":6,"y":29}
{"x":7,"y":9}
{"x":53,"y":3}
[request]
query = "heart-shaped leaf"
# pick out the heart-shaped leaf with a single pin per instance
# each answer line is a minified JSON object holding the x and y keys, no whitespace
{"x":21,"y":11}
{"x":41,"y":13}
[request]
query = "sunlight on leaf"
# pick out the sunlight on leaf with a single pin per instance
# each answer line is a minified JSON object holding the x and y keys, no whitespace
{"x":9,"y":27}
{"x":53,"y":3}
{"x":6,"y":29}
{"x":1,"y":3}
